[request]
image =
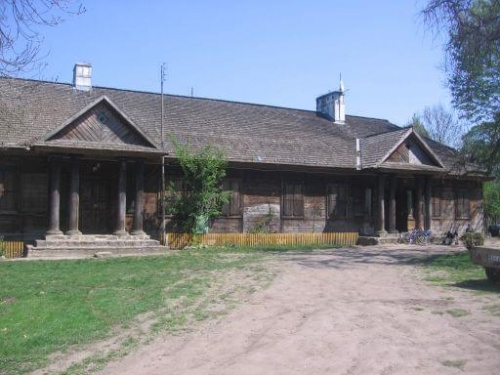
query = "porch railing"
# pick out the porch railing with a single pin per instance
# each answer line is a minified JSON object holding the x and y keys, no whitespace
{"x":181,"y":240}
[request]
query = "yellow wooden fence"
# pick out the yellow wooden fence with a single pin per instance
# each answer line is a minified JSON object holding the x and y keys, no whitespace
{"x":181,"y":240}
{"x":12,"y":249}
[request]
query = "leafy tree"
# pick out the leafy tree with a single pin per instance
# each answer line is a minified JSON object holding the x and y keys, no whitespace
{"x":491,"y":198}
{"x":418,"y":126}
{"x":20,"y":38}
{"x":442,"y":125}
{"x":481,"y":145}
{"x":472,"y":53}
{"x":203,"y":196}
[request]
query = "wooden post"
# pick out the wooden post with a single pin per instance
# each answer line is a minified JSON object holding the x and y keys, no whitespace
{"x":122,"y":200}
{"x":428,"y":203}
{"x":139,"y":205}
{"x":54,"y":197}
{"x":381,"y":206}
{"x":74,"y":198}
{"x":392,"y":205}
{"x":419,"y":207}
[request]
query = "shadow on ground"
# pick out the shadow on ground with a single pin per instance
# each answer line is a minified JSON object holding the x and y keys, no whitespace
{"x":348,"y":257}
{"x":483,"y":285}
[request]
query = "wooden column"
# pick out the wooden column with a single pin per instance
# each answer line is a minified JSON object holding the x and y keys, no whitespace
{"x":428,"y":203}
{"x":381,"y":206}
{"x":54,"y":197}
{"x":139,"y":204}
{"x":74,"y":198}
{"x":419,"y":206}
{"x":122,"y":200}
{"x":392,"y":205}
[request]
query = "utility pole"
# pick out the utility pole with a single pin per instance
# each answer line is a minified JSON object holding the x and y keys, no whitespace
{"x":162,"y":131}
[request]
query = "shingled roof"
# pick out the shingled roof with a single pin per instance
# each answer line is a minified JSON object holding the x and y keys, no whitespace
{"x":248,"y":133}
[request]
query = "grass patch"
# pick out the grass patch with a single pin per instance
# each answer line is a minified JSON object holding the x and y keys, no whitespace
{"x":493,"y":309}
{"x":457,"y":313}
{"x":453,"y":268}
{"x":48,"y":306}
{"x":457,"y":363}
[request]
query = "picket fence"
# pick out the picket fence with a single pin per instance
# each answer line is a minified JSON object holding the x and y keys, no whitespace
{"x":12,"y":249}
{"x":181,"y":240}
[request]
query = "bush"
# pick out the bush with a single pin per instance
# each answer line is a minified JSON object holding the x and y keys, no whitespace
{"x":471,"y":239}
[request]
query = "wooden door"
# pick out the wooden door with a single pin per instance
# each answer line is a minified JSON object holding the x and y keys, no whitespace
{"x":94,"y":207}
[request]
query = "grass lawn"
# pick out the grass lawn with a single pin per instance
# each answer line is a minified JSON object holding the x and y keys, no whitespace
{"x":49,"y":306}
{"x":57,"y":306}
{"x":458,"y":270}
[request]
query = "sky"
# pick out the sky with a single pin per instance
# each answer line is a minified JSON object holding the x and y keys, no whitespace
{"x":274,"y":52}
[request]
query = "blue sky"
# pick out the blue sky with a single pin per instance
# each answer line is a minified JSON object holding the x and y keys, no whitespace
{"x":276,"y":52}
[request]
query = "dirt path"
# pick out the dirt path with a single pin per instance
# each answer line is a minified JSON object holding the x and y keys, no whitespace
{"x":356,"y":311}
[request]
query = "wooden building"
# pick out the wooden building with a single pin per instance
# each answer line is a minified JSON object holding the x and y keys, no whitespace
{"x":78,"y":161}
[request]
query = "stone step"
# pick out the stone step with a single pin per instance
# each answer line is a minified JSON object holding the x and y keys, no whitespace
{"x":90,"y":243}
{"x":89,"y":252}
{"x":95,"y":237}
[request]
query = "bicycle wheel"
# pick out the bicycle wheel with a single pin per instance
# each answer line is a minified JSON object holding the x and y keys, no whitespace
{"x":422,"y":239}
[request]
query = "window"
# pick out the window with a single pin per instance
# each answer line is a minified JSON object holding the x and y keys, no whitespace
{"x":233,"y":207}
{"x":358,"y":201}
{"x":337,"y":201}
{"x":175,"y":190}
{"x":436,"y":201}
{"x":7,"y":191}
{"x":34,"y":188}
{"x":368,"y":201}
{"x":462,"y":207}
{"x":293,"y":200}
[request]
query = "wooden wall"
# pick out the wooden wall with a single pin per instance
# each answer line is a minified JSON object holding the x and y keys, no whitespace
{"x":27,"y":193}
{"x":448,"y":221}
{"x":260,"y":193}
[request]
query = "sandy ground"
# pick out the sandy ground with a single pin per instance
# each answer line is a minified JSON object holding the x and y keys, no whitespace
{"x":355,"y":311}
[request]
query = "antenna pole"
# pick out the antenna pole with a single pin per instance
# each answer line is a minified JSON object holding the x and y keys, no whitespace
{"x":163,"y":238}
{"x":162,"y":105}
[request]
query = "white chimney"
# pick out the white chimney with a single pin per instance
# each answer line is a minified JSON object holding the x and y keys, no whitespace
{"x":332,"y":105}
{"x":82,"y":76}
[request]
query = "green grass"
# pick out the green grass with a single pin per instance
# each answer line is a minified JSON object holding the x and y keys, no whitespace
{"x":493,"y":309}
{"x":457,"y":313}
{"x":453,"y":268}
{"x":49,"y":306}
{"x":457,"y":363}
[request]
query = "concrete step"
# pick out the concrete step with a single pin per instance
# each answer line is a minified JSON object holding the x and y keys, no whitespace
{"x":376,"y":240}
{"x":93,"y":243}
{"x":89,"y":252}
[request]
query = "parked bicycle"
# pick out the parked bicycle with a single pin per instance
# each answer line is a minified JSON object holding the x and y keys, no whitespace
{"x":417,"y":237}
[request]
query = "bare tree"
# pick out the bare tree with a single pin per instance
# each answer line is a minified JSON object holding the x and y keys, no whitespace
{"x":20,"y":35}
{"x":418,"y":126}
{"x":443,"y":126}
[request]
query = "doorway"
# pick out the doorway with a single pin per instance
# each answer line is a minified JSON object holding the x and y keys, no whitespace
{"x":94,"y":206}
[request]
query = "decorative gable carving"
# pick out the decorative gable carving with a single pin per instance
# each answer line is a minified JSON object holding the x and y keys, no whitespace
{"x":102,"y":123}
{"x":411,"y":152}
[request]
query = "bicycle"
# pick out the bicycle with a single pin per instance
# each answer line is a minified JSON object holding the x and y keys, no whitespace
{"x":417,"y":237}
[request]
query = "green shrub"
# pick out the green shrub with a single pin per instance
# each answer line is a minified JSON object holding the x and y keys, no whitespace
{"x":471,"y":239}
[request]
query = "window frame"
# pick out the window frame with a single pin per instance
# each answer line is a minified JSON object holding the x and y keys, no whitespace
{"x":437,"y":201}
{"x":295,"y":184}
{"x":229,"y":213}
{"x":162,"y":194}
{"x":459,"y":215}
{"x":329,"y":214}
{"x":11,"y":191}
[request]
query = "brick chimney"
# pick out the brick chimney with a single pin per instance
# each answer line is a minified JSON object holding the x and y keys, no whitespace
{"x":82,"y":76}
